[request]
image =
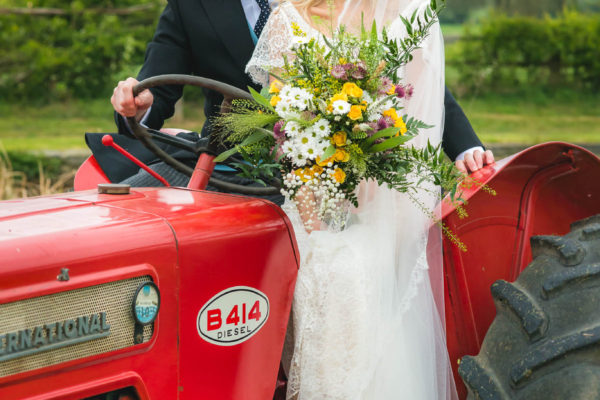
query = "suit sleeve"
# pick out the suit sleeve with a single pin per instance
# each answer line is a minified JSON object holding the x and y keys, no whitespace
{"x":167,"y":53}
{"x":458,"y":134}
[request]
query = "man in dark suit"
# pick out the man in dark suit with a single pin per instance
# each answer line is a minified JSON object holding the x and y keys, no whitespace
{"x":215,"y":39}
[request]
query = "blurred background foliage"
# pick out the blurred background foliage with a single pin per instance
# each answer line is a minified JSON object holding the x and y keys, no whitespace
{"x":502,"y":53}
{"x":86,"y":46}
{"x":71,"y":48}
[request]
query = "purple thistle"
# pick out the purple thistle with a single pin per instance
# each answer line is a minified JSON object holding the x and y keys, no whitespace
{"x":338,"y":72}
{"x":409,"y":91}
{"x":348,"y":66}
{"x":359,"y":72}
{"x":374,"y":128}
{"x":400,"y":92}
{"x":384,"y":122}
{"x":278,"y":130}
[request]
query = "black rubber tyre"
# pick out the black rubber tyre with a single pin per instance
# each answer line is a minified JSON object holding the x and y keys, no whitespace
{"x":545,"y":340}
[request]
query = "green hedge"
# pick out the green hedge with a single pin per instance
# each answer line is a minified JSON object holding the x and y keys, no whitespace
{"x":507,"y":52}
{"x":79,"y":54}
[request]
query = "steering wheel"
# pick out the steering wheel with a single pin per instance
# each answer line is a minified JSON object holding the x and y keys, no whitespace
{"x":148,"y":136}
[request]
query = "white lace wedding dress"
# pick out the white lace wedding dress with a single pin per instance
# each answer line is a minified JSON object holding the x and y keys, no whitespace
{"x":364,"y":323}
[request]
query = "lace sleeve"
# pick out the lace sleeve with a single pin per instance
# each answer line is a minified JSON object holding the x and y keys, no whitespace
{"x":274,"y":42}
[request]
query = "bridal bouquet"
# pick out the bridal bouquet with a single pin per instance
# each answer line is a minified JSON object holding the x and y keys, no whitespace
{"x":332,"y":117}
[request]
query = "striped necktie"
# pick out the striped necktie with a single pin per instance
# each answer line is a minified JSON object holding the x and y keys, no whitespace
{"x":265,"y":9}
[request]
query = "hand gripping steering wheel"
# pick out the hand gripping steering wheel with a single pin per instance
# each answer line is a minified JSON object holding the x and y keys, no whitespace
{"x":148,"y":136}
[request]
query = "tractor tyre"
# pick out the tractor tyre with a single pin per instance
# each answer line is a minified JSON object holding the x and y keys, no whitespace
{"x":545,"y":340}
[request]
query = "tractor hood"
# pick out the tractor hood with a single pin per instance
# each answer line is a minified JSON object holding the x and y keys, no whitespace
{"x":73,"y":266}
{"x":93,"y":234}
{"x":81,"y":232}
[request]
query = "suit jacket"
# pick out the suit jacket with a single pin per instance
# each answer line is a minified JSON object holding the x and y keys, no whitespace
{"x":211,"y":38}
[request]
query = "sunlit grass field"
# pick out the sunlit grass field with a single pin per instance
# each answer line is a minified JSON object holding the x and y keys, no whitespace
{"x":61,"y":126}
{"x":519,"y":119}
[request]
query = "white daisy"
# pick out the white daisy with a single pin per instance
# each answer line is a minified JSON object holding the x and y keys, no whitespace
{"x":300,"y":98}
{"x":321,"y":127}
{"x":304,"y":139}
{"x":285,"y":92}
{"x":341,"y":107}
{"x":285,"y":111}
{"x":288,"y":147}
{"x":292,"y":128}
{"x":298,"y":158}
{"x":311,"y":132}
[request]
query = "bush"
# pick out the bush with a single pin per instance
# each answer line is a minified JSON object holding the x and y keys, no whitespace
{"x":80,"y":53}
{"x":508,"y":52}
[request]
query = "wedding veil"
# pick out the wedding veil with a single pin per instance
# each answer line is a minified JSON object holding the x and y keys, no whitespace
{"x":404,"y":355}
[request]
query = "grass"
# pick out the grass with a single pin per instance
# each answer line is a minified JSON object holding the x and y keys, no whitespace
{"x":61,"y":126}
{"x":535,"y":118}
{"x":523,"y":119}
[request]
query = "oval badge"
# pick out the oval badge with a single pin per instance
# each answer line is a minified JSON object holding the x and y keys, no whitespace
{"x":233,"y":316}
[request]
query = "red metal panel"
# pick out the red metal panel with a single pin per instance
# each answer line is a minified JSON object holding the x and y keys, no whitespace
{"x":539,"y":191}
{"x":226,"y":241}
{"x":98,"y":244}
{"x":89,"y":175}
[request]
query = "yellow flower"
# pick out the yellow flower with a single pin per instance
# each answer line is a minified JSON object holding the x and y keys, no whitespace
{"x":342,"y":60}
{"x":392,"y":90}
{"x":400,"y":124}
{"x":296,"y":31}
{"x":339,"y":175}
{"x":352,"y":90}
{"x":322,"y":163}
{"x":275,"y":100}
{"x":363,"y":105}
{"x":339,"y":96}
{"x":303,"y":173}
{"x":391,"y":113}
{"x":341,"y":155}
{"x":339,"y":138}
{"x":275,"y":86}
{"x":317,"y":169}
{"x":355,"y":113}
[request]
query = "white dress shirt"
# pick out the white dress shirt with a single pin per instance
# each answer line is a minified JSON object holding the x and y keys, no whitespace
{"x":252,"y":10}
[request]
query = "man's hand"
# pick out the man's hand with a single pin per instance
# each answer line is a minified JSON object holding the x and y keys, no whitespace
{"x":128,"y":106}
{"x":474,"y":161}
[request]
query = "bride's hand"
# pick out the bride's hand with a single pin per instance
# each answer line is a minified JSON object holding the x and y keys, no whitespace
{"x":306,"y":204}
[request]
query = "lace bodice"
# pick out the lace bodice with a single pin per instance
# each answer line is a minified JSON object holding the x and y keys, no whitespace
{"x":275,"y":41}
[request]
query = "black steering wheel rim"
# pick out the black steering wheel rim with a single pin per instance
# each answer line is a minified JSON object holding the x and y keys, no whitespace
{"x":145,"y":135}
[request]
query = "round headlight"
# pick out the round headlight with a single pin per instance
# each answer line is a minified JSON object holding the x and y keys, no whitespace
{"x":146,"y":303}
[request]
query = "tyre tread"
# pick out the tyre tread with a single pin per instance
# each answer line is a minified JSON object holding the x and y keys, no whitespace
{"x":533,"y":320}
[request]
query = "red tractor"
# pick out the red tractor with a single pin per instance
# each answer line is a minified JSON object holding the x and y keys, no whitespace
{"x":181,"y":293}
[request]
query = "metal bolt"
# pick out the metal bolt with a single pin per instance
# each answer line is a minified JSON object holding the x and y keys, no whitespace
{"x":64,"y":275}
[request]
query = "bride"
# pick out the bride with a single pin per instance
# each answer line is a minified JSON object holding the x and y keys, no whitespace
{"x":365,"y":321}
